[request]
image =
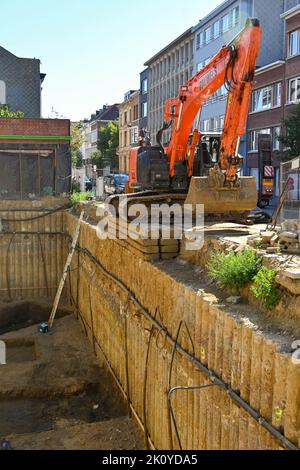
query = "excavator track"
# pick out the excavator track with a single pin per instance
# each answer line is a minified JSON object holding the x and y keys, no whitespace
{"x":151,"y":197}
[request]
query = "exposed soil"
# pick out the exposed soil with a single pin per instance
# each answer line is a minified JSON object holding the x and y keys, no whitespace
{"x":197,"y":279}
{"x":54,"y":395}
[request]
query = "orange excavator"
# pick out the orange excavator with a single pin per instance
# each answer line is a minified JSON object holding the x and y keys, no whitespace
{"x":171,"y":172}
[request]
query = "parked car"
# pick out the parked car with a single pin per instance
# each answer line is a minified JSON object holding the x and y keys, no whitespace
{"x":88,"y":184}
{"x":115,"y":184}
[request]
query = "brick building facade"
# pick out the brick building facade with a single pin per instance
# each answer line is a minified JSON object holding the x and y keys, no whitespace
{"x":129,"y":127}
{"x":20,"y":84}
{"x":276,"y":91}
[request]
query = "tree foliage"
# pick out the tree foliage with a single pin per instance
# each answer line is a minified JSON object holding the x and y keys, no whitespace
{"x":291,"y":138}
{"x":6,"y":113}
{"x":97,"y":159}
{"x":77,"y":140}
{"x":108,"y":144}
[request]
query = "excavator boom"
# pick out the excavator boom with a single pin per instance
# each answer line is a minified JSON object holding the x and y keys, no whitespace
{"x":233,"y":66}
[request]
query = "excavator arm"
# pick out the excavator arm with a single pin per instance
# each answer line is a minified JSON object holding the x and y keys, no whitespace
{"x":234,"y":66}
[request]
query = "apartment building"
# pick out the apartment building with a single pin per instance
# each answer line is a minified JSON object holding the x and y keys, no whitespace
{"x":91,"y":127}
{"x":129,"y":121}
{"x":20,"y":84}
{"x":218,"y":29}
{"x":276,"y":92}
{"x":168,"y":69}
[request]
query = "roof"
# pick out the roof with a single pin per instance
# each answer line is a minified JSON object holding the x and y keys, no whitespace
{"x":290,"y":13}
{"x":215,"y":12}
{"x":268,"y":67}
{"x":107,"y":113}
{"x":171,"y":45}
{"x":8,"y":53}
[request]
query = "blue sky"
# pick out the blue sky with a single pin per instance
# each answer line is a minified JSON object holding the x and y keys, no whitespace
{"x":93,"y":50}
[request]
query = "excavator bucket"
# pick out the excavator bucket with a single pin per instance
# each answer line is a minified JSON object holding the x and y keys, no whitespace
{"x":218,"y":199}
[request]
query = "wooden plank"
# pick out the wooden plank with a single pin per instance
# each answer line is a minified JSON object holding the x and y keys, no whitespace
{"x":292,"y":413}
{"x":267,"y":379}
{"x":280,"y":390}
{"x":65,"y":272}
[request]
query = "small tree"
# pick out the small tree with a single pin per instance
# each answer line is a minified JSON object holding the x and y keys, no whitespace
{"x":97,"y":159}
{"x":291,"y":138}
{"x":108,"y":144}
{"x":77,"y":159}
{"x":6,"y":113}
{"x":77,"y":139}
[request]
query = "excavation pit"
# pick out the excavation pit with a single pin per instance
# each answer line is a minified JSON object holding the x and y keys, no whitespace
{"x":17,"y":315}
{"x":20,"y":351}
{"x":54,"y":395}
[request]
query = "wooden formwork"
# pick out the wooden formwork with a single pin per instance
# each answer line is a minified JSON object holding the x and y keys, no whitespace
{"x":194,"y":375}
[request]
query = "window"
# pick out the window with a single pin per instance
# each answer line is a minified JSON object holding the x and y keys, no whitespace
{"x":136,"y":112}
{"x":202,"y":39}
{"x":266,"y":98}
{"x":277,"y":94}
{"x":254,"y":138}
{"x":187,"y":52}
{"x":214,"y":124}
{"x":144,"y":109}
{"x":222,"y":120}
{"x":125,"y":117}
{"x":294,"y":43}
{"x":94,"y":136}
{"x":208,"y":35}
{"x":144,"y":86}
{"x":202,"y":64}
{"x":294,"y":90}
{"x":134,"y":135}
{"x":276,"y":135}
{"x":2,"y":92}
{"x":216,"y":29}
{"x":206,"y":125}
{"x":226,"y":23}
{"x":235,"y":16}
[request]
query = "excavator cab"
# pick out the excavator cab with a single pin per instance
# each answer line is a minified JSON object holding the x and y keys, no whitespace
{"x":207,"y":153}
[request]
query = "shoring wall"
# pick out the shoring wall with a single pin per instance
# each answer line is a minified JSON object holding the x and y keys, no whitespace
{"x":133,"y":317}
{"x":32,"y":254}
{"x":156,"y":334}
